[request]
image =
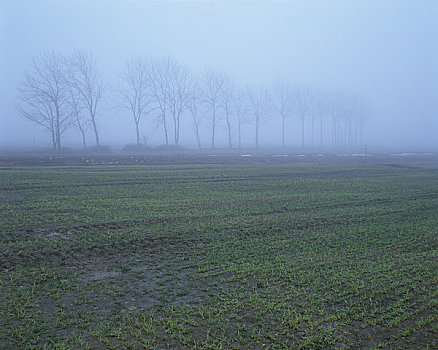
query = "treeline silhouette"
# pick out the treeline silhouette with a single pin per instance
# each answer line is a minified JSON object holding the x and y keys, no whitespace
{"x":61,"y":92}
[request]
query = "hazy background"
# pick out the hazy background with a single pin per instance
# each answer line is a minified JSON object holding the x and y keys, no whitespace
{"x":386,"y":51}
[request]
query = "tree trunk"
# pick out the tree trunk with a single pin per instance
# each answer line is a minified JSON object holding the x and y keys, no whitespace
{"x":346,"y":134}
{"x":58,"y":130}
{"x":333,"y":132}
{"x":198,"y":139}
{"x":81,"y":129}
{"x":313,"y":128}
{"x":282,"y":131}
{"x":213,"y":127}
{"x":320,"y":130}
{"x":229,"y":133}
{"x":240,"y":137}
{"x":165,"y":129}
{"x":257,"y":133}
{"x":83,"y":137}
{"x":96,"y":134}
{"x":355,"y":134}
{"x":339,"y":138}
{"x":137,"y":132}
{"x":177,"y":128}
{"x":53,"y":138}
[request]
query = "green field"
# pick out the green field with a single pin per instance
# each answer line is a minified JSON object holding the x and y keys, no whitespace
{"x":278,"y":256}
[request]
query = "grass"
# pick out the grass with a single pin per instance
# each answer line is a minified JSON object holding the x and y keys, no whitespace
{"x":278,"y":256}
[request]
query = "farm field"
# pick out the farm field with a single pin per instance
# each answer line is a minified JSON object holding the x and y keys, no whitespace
{"x":219,"y":256}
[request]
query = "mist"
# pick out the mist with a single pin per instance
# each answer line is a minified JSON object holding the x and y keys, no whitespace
{"x":382,"y":53}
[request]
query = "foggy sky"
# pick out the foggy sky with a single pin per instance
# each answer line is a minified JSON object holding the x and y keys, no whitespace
{"x":385,"y":51}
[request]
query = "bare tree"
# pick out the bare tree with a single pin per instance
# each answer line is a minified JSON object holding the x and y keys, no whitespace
{"x":193,"y":108}
{"x":87,"y":82}
{"x":135,"y":91}
{"x":340,"y":108}
{"x":241,"y":107}
{"x":179,"y":91}
{"x":321,"y":110}
{"x":44,"y":96}
{"x":336,"y":111}
{"x":213,"y":87}
{"x":259,"y":105}
{"x":76,"y":108}
{"x":348,"y":119}
{"x":318,"y":110}
{"x":226,"y":102}
{"x":282,"y":102}
{"x":361,"y":113}
{"x":158,"y":74}
{"x":342,"y":112}
{"x":301,"y":106}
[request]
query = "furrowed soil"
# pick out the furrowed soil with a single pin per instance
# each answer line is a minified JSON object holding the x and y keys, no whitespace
{"x":249,"y":255}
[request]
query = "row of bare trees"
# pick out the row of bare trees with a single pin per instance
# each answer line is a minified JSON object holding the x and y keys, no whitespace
{"x":164,"y":89}
{"x":60,"y":92}
{"x":346,"y":112}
